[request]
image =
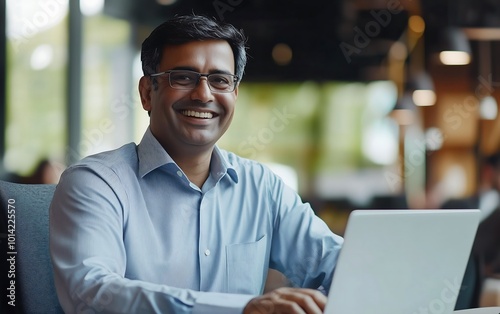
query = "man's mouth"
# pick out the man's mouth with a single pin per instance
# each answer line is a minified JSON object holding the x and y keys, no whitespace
{"x":197,"y":114}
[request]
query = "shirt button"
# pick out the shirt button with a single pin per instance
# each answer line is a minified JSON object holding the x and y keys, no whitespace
{"x":179,"y":173}
{"x":207,"y":252}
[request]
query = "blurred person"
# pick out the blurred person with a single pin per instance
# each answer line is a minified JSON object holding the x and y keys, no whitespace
{"x":487,"y":242}
{"x":175,"y":224}
{"x":487,"y":197}
{"x":46,"y":172}
{"x":485,"y":256}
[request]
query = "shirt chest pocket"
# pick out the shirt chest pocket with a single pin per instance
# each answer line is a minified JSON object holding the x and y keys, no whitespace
{"x":247,"y":266}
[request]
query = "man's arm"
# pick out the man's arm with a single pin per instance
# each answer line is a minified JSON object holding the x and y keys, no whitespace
{"x":304,"y":249}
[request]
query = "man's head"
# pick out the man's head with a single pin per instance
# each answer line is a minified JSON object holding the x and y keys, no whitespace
{"x":184,"y":29}
{"x":192,"y":69}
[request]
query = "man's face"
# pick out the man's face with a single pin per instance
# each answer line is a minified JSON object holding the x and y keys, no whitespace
{"x":173,"y":121}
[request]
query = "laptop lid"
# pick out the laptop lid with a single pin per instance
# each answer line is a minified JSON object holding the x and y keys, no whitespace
{"x":402,"y":261}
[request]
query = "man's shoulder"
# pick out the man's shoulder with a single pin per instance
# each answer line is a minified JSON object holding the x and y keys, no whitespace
{"x":114,"y":160}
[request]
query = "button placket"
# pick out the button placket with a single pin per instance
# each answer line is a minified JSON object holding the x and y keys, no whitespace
{"x":205,"y":241}
{"x":205,"y":250}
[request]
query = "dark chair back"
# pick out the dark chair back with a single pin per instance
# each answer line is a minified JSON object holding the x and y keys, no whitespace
{"x":24,"y":241}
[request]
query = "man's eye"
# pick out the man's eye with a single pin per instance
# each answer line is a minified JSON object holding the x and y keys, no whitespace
{"x":181,"y":77}
{"x":218,"y":79}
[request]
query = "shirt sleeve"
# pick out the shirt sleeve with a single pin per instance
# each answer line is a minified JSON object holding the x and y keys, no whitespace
{"x":89,"y":257}
{"x":220,"y":303}
{"x":304,"y":248}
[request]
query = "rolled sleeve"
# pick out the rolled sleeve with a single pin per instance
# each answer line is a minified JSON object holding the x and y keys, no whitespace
{"x":221,"y":303}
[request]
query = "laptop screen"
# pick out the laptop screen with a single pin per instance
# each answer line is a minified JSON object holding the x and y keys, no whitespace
{"x":402,"y":261}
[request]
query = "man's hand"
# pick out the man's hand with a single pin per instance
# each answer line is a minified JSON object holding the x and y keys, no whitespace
{"x":287,"y":301}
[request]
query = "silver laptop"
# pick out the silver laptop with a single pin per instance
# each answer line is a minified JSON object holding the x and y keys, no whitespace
{"x":402,"y":261}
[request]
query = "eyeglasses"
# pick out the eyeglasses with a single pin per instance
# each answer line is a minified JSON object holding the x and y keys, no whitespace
{"x":185,"y":79}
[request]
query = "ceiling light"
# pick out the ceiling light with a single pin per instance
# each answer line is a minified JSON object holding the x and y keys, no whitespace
{"x":422,"y":88}
{"x":403,"y":112}
{"x":424,"y":98}
{"x":455,"y":48}
{"x":454,"y":57}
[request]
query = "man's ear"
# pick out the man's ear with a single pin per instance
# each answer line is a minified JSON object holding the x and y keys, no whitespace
{"x":145,"y":89}
{"x":236,"y":90}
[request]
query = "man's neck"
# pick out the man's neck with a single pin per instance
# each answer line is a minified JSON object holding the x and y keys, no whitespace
{"x":196,"y":165}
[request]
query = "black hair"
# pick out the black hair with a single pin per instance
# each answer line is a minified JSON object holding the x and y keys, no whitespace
{"x":188,"y":28}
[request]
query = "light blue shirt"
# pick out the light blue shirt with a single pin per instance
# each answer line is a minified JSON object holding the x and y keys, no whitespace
{"x":129,"y":233}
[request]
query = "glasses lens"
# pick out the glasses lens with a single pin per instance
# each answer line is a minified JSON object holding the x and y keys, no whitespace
{"x":183,"y":79}
{"x":221,"y":82}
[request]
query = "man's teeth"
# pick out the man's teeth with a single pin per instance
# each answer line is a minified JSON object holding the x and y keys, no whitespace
{"x":196,"y":114}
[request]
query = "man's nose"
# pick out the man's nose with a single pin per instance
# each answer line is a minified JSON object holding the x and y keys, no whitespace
{"x":201,"y":91}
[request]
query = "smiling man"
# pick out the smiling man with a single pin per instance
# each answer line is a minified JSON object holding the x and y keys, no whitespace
{"x":188,"y":118}
{"x":176,"y":224}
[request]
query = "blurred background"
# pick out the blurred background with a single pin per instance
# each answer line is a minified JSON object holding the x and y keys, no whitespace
{"x":356,"y":103}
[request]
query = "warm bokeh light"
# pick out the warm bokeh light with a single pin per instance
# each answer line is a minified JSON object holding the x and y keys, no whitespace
{"x":454,"y":57}
{"x":282,"y":54}
{"x":424,"y":97}
{"x":403,"y":116}
{"x":398,"y":51}
{"x":416,"y":23}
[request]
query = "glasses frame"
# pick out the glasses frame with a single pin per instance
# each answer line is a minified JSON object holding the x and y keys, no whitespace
{"x":199,"y":76}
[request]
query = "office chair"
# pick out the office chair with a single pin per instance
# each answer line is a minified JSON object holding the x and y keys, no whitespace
{"x":34,"y":284}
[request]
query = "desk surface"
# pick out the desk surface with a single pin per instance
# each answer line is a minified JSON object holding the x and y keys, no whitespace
{"x":484,"y":310}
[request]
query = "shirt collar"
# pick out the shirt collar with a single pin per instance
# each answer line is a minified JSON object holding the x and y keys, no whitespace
{"x":220,"y":165}
{"x":152,"y":155}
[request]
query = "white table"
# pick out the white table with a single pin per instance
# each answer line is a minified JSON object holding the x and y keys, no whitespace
{"x":483,"y":310}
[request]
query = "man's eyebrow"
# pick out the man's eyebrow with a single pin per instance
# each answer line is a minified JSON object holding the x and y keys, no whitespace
{"x":184,"y":68}
{"x":214,"y":71}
